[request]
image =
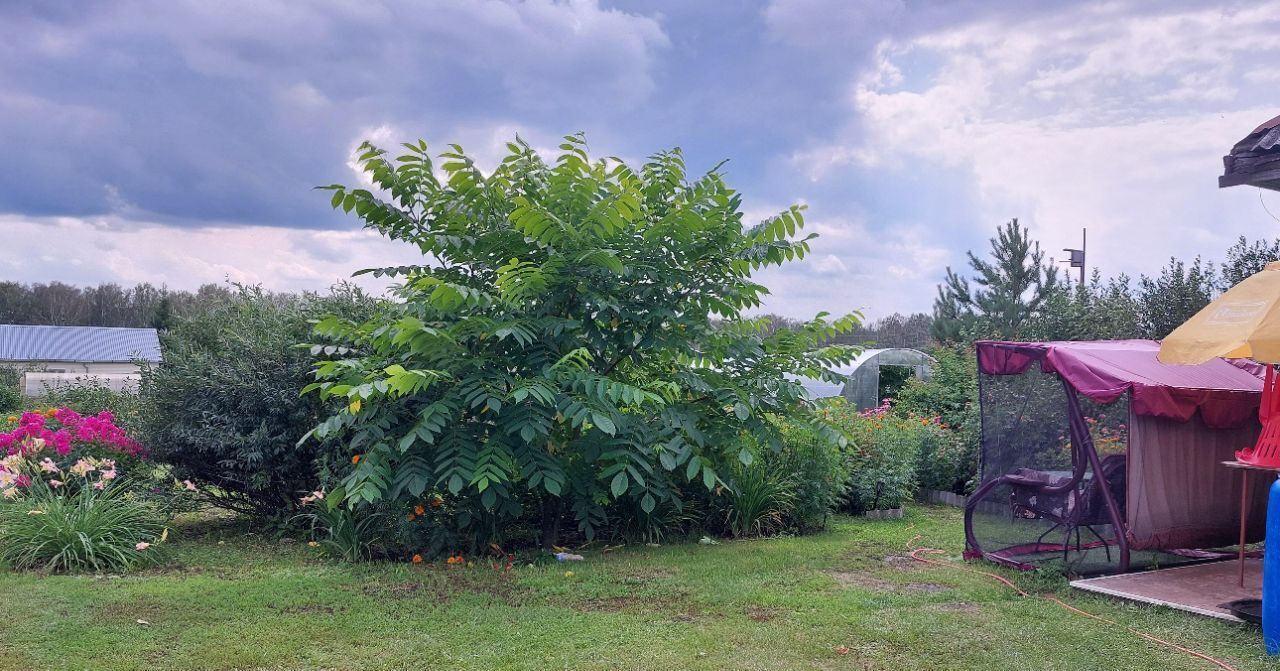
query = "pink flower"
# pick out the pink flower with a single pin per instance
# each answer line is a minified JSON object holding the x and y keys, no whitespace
{"x":109,"y":475}
{"x":101,"y":484}
{"x":141,"y":545}
{"x":189,"y":485}
{"x":48,"y":466}
{"x":55,"y":483}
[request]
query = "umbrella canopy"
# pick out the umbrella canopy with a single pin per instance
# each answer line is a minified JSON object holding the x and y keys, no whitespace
{"x":1242,"y":323}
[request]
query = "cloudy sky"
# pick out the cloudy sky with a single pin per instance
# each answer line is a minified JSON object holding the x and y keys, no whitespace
{"x":177,"y":141}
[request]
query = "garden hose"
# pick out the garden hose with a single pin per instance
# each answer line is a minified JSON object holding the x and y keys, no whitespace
{"x":916,"y":552}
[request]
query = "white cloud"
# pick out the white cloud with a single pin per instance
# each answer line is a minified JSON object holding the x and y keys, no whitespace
{"x":89,"y":251}
{"x":854,"y":268}
{"x":1102,"y":116}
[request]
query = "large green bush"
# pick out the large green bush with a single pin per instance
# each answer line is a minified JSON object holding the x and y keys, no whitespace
{"x":223,"y":407}
{"x":572,"y":339}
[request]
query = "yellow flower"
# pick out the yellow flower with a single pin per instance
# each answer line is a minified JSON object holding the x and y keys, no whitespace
{"x":568,"y":574}
{"x":313,"y":544}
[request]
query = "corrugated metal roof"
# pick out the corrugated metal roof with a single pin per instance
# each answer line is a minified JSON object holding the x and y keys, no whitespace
{"x":101,"y":344}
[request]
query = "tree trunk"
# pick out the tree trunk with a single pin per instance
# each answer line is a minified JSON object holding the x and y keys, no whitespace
{"x":552,"y":512}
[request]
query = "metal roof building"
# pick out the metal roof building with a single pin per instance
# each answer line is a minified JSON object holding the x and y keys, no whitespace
{"x":78,"y":344}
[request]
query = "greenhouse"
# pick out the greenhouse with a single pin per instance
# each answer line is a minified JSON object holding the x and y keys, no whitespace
{"x":865,"y":375}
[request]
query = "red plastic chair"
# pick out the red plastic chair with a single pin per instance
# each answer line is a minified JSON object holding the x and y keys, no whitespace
{"x":1266,"y":452}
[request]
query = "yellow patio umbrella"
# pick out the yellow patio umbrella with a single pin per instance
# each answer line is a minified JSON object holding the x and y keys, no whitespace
{"x":1243,"y":323}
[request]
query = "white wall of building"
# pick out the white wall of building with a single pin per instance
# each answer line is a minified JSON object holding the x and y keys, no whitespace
{"x":74,"y":367}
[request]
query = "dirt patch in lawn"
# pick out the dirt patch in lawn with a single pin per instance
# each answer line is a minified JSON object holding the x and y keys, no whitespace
{"x":762,"y":614}
{"x":902,"y":562}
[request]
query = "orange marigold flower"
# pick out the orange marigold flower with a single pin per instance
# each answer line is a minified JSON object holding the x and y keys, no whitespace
{"x":410,"y":517}
{"x":435,"y":503}
{"x":12,"y":418}
{"x":355,"y":459}
{"x":418,"y":510}
{"x":417,"y":559}
{"x":52,"y":412}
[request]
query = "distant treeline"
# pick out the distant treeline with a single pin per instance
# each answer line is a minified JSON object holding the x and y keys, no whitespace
{"x":896,"y":330}
{"x":1015,"y":294}
{"x":109,"y":304}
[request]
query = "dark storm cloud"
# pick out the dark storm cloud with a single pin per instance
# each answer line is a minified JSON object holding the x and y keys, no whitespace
{"x":196,"y":113}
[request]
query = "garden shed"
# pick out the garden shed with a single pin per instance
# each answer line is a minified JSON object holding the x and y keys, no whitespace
{"x":1098,"y":455}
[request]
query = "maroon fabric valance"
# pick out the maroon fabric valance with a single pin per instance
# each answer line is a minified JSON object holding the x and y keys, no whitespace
{"x":1226,"y":393}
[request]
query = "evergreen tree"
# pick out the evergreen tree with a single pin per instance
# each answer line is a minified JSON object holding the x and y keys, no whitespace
{"x":1010,"y":291}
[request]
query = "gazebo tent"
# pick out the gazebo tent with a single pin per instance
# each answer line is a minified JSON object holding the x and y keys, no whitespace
{"x":1095,"y":449}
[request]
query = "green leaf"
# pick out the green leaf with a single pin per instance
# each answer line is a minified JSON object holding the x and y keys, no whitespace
{"x":745,"y":456}
{"x":604,"y":423}
{"x":648,"y":503}
{"x":619,"y":484}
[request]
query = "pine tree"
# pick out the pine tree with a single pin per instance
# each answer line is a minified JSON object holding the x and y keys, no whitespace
{"x":1010,"y":290}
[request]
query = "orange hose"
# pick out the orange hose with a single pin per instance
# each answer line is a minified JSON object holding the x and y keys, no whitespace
{"x":915,"y":554}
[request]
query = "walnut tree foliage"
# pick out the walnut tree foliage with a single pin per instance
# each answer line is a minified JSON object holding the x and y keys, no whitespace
{"x":574,"y":334}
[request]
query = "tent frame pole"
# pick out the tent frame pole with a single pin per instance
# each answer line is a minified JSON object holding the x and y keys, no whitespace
{"x":1082,"y":438}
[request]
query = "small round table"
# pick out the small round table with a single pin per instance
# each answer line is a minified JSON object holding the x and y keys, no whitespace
{"x":1244,"y":501}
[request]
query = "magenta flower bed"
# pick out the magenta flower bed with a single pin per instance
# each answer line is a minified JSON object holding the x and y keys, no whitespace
{"x":64,"y":430}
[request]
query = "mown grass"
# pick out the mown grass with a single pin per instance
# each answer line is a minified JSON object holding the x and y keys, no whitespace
{"x":236,"y":601}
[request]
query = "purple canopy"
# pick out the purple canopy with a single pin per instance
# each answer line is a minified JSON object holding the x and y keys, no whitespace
{"x":1226,"y":392}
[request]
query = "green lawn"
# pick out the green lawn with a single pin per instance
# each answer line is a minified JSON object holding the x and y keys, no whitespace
{"x":236,"y":601}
